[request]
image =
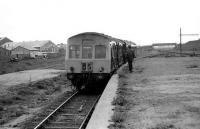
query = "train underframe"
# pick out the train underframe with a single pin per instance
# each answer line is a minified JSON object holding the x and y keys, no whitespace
{"x":88,"y":80}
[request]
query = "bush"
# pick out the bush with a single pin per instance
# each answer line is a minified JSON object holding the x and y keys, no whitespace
{"x":28,"y":63}
{"x":7,"y":101}
{"x":57,"y":88}
{"x":122,"y":74}
{"x":3,"y":72}
{"x":1,"y":109}
{"x":44,"y":84}
{"x":16,"y":98}
{"x":18,"y":69}
{"x":11,"y":100}
{"x":119,"y":100}
{"x":25,"y":92}
{"x":118,"y":117}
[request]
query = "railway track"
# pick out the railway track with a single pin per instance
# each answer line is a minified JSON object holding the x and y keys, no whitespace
{"x":73,"y":113}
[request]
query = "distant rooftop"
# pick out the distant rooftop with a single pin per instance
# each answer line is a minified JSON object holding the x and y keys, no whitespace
{"x":29,"y":48}
{"x":1,"y":38}
{"x":4,"y":40}
{"x":31,"y":45}
{"x":163,"y":44}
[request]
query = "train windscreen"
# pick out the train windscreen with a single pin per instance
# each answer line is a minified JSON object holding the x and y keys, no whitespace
{"x":87,"y":51}
{"x":74,"y":51}
{"x":100,"y":51}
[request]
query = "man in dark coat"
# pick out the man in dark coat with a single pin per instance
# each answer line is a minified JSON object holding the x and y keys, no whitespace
{"x":130,"y":56}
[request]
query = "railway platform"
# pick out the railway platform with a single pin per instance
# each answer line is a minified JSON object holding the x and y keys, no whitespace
{"x":103,"y":111}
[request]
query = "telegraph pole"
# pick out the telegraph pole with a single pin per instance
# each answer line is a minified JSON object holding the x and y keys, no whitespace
{"x":180,"y":42}
{"x":181,"y":39}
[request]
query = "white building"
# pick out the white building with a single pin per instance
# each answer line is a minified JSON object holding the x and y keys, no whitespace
{"x":164,"y":46}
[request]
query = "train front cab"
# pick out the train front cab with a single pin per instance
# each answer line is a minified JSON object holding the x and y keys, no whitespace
{"x":88,"y":60}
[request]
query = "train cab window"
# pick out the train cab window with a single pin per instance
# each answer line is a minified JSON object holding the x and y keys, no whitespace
{"x":87,"y":51}
{"x":74,"y":51}
{"x":100,"y":51}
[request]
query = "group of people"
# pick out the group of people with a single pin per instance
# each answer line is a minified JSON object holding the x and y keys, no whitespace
{"x":130,"y":55}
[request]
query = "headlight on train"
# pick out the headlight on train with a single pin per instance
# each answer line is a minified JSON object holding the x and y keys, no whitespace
{"x":71,"y":70}
{"x":101,"y":70}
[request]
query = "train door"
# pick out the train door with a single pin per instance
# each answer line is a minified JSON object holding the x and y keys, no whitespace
{"x":114,"y":56}
{"x":87,"y":53}
{"x":87,"y":49}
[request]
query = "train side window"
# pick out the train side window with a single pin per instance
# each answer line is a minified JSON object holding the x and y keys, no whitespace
{"x":87,"y":51}
{"x":74,"y":51}
{"x":100,"y":51}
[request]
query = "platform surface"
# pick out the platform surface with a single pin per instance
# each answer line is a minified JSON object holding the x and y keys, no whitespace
{"x":103,"y":111}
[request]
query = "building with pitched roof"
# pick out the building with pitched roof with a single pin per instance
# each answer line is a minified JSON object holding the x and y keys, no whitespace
{"x":4,"y":53}
{"x":45,"y":46}
{"x":21,"y":52}
{"x":31,"y":48}
{"x":4,"y":40}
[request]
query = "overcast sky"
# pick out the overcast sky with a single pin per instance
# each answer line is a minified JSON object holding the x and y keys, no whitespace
{"x":141,"y":21}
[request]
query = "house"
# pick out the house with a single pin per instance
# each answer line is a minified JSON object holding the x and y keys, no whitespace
{"x":164,"y":46}
{"x":9,"y":45}
{"x":23,"y":52}
{"x":31,"y":48}
{"x":4,"y":40}
{"x":4,"y":53}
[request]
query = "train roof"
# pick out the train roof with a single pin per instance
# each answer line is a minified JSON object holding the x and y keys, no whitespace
{"x":103,"y":35}
{"x":92,"y":33}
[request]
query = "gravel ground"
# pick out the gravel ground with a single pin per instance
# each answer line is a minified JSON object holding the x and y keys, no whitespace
{"x":164,"y":94}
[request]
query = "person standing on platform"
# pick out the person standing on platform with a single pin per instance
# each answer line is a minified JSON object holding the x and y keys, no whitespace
{"x":130,"y":56}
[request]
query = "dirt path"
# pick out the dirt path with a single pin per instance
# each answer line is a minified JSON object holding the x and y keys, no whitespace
{"x":11,"y":79}
{"x":165,"y":94}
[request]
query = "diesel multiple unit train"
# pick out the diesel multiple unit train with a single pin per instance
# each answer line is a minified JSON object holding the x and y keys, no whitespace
{"x":92,"y":57}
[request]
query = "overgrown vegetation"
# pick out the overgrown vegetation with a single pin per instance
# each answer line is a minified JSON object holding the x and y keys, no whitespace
{"x":120,"y":101}
{"x":32,"y":95}
{"x":164,"y":126}
{"x":9,"y":67}
{"x":193,"y":66}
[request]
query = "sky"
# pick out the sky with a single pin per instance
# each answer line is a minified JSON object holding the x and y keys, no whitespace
{"x":142,"y":21}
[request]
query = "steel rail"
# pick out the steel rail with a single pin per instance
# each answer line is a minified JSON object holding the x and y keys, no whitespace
{"x":86,"y":117}
{"x":45,"y":119}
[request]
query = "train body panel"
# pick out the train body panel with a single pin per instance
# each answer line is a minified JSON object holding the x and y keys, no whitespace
{"x":93,"y":56}
{"x":97,"y":66}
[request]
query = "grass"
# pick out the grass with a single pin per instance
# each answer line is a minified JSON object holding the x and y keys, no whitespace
{"x":7,"y":101}
{"x":119,"y":117}
{"x":25,"y":92}
{"x":10,"y":113}
{"x":164,"y":126}
{"x":36,"y":94}
{"x":9,"y":67}
{"x":193,"y":109}
{"x":120,"y":101}
{"x":192,"y":66}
